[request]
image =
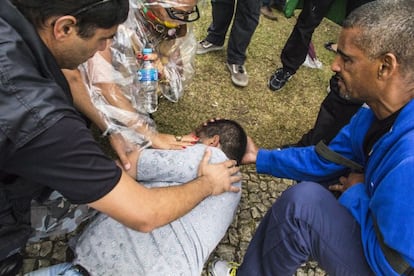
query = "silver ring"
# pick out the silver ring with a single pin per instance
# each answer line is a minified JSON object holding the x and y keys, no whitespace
{"x":178,"y":138}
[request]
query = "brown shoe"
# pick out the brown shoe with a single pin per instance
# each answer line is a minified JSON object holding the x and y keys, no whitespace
{"x":268,"y":13}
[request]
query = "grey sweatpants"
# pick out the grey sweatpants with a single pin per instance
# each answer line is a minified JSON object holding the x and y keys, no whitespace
{"x":181,"y":247}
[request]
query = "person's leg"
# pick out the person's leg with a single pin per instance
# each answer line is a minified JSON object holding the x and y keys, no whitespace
{"x":296,"y":48}
{"x":222,"y":14}
{"x":279,"y":5}
{"x":306,"y":223}
{"x":244,"y":25}
{"x":267,"y":11}
{"x":55,"y":216}
{"x":335,"y":112}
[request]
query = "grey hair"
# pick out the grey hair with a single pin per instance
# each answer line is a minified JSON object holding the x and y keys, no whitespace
{"x":387,"y":26}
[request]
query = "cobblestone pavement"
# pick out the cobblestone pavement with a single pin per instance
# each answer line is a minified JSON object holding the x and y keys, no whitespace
{"x":259,"y":192}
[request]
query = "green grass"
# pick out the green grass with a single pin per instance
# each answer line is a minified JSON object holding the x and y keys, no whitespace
{"x":270,"y":118}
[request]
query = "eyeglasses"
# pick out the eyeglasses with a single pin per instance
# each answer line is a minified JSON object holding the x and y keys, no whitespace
{"x":88,"y":7}
{"x":185,"y":16}
{"x":153,"y":17}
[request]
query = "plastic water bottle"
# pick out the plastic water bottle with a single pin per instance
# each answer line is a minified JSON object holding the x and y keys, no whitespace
{"x":147,"y":100}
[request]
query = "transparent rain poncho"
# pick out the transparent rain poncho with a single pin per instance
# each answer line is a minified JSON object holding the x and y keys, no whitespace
{"x":111,"y":75}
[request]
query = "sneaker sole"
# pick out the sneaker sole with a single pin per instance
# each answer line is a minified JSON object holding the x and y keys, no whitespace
{"x":234,"y":80}
{"x":211,"y":49}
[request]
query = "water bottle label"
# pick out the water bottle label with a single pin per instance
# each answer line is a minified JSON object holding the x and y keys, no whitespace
{"x":148,"y":74}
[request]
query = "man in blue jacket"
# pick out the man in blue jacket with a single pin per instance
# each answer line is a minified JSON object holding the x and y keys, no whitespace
{"x":370,"y":229}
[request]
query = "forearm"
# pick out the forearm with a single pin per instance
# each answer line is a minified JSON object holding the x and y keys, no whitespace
{"x":82,"y":99}
{"x":112,"y":94}
{"x":144,"y":209}
{"x":123,"y":110}
{"x":296,"y":163}
{"x":115,"y":96}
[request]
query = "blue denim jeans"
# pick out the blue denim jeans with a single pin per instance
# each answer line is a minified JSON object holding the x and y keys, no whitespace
{"x":306,"y":223}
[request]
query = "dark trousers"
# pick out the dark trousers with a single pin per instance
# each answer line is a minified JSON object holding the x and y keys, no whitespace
{"x":335,"y":112}
{"x":246,"y":18}
{"x":297,"y":46}
{"x":306,"y":222}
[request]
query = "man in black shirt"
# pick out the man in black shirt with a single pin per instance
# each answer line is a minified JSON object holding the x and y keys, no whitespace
{"x":44,"y":141}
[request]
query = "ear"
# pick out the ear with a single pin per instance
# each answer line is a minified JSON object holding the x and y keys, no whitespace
{"x":64,"y":27}
{"x":215,"y":141}
{"x":387,"y":66}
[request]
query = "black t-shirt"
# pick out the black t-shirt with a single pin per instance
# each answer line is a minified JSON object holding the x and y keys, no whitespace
{"x":377,"y":130}
{"x":65,"y":158}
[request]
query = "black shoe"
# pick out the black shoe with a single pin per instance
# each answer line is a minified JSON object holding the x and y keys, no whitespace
{"x":279,"y":79}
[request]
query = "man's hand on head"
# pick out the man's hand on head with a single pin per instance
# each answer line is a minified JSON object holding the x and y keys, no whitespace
{"x":219,"y":176}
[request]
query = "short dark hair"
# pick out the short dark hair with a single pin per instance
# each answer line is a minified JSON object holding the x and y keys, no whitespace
{"x":386,"y":26}
{"x":90,"y":14}
{"x":233,"y":138}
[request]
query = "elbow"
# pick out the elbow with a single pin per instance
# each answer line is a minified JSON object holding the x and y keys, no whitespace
{"x":147,"y":228}
{"x":144,"y":224}
{"x":143,"y":227}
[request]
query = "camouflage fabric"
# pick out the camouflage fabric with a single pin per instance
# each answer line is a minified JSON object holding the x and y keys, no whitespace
{"x":56,"y":216}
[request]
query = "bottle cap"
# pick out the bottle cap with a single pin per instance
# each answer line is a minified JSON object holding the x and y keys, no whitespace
{"x":146,"y":51}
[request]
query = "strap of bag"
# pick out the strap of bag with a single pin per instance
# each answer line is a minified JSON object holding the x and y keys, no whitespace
{"x":325,"y":152}
{"x":394,"y":258}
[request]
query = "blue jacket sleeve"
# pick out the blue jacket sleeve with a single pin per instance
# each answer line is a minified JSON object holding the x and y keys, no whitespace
{"x":304,"y":163}
{"x":296,"y":163}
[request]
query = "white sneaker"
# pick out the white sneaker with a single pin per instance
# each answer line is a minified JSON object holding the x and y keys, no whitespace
{"x":222,"y":268}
